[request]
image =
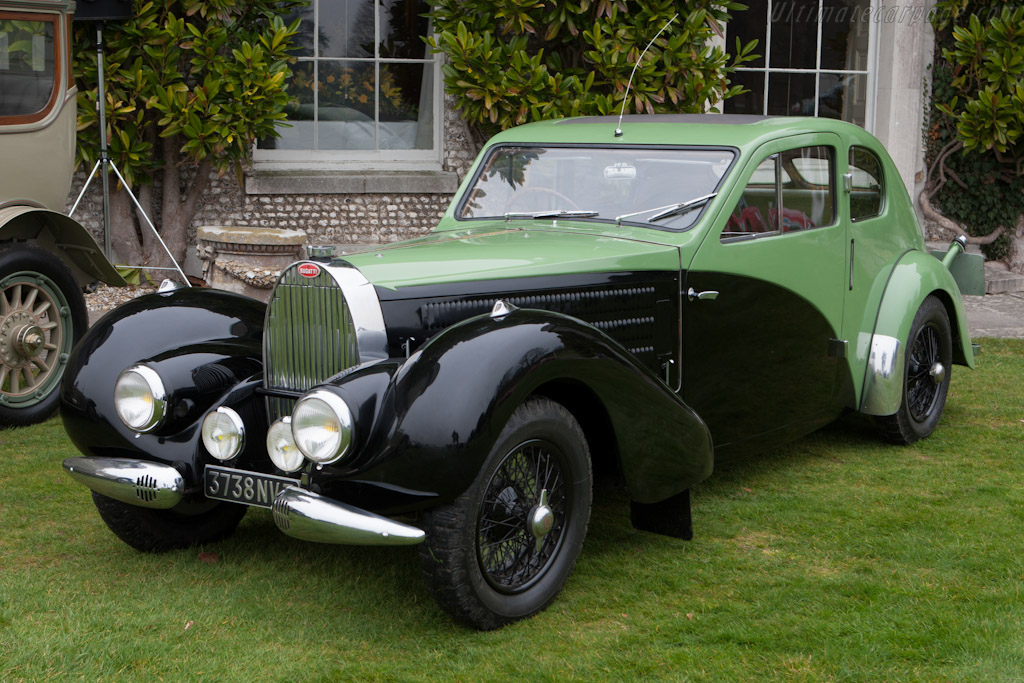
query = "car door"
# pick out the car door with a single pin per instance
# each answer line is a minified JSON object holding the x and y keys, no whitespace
{"x":763,"y":299}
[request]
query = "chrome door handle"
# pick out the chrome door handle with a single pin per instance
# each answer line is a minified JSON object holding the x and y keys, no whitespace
{"x":708,"y":295}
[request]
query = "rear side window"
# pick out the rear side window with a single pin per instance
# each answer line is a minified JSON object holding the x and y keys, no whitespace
{"x":867,"y":191}
{"x":788,"y":192}
{"x":27,"y":68}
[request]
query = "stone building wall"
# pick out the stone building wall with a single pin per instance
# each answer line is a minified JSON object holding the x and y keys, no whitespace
{"x":327,"y":218}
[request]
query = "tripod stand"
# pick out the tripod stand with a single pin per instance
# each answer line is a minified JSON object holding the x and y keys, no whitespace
{"x":108,"y":165}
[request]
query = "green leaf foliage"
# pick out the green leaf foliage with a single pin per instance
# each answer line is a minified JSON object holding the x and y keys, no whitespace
{"x":209,"y":73}
{"x":514,"y":61}
{"x":978,"y":99}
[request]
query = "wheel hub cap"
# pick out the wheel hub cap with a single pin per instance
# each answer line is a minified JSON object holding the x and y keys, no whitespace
{"x":937,"y":373}
{"x":542,"y":518}
{"x":20,"y":339}
{"x":28,"y":340}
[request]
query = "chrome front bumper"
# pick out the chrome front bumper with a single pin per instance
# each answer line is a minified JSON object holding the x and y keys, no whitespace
{"x":312,"y":517}
{"x":137,"y":482}
{"x":297,"y":512}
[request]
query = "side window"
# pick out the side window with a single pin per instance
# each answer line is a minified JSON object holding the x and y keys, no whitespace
{"x":788,"y":192}
{"x":868,"y":188}
{"x":26,"y":65}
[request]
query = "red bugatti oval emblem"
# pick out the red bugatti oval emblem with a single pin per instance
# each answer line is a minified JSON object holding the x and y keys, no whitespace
{"x":309,"y":270}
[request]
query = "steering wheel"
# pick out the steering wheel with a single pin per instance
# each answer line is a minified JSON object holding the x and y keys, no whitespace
{"x":516,"y":198}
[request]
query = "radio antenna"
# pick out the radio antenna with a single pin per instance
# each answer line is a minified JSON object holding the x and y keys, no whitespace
{"x":618,"y":128}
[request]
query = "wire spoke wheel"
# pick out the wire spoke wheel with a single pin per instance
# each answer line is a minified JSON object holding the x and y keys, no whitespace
{"x":922,"y":388}
{"x":35,"y":339}
{"x":926,"y":376}
{"x":513,"y":547}
{"x":503,"y":549}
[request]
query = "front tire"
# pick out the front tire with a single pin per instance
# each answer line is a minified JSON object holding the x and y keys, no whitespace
{"x":157,"y":531}
{"x":503,"y":549}
{"x":42,"y":316}
{"x":926,"y":376}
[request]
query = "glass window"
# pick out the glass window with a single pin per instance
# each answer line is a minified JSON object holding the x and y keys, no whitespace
{"x":26,"y":65}
{"x":662,"y":188}
{"x":788,"y":192}
{"x":814,"y":58}
{"x":364,"y":81}
{"x":868,"y":185}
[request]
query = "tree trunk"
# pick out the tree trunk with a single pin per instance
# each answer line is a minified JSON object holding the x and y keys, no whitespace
{"x":1015,"y":255}
{"x":179,"y":205}
{"x":124,"y":239}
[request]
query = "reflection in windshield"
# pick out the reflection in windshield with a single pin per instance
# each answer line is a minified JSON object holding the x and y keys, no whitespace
{"x":596,"y":183}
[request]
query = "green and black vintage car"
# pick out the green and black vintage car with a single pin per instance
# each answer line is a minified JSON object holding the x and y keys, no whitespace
{"x":638,"y":299}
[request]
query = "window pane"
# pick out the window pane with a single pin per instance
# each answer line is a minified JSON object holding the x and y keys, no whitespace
{"x":299,"y":134}
{"x":349,"y":92}
{"x":791,"y":94}
{"x":628,"y":183}
{"x":844,"y":34}
{"x":26,"y":66}
{"x":749,"y":25}
{"x":750,"y":102}
{"x":402,"y":22}
{"x":843,"y":97}
{"x":868,"y":186}
{"x":808,"y":198}
{"x":405,"y":106}
{"x":346,"y":28}
{"x":302,"y":43}
{"x":345,"y":114}
{"x":794,"y":34}
{"x":755,"y":210}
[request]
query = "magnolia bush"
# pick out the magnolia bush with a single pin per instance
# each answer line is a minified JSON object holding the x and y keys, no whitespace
{"x":190,"y":86}
{"x":514,"y":61}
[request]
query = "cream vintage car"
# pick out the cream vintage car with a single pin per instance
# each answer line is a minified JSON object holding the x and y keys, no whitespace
{"x":46,"y":258}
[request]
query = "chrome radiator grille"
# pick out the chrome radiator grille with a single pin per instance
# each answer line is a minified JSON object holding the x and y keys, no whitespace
{"x":309,"y":335}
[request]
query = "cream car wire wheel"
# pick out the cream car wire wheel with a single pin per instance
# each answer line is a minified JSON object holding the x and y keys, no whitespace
{"x":34,"y":342}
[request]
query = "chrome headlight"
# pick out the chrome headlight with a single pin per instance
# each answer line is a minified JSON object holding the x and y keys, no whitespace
{"x":322,"y":425}
{"x":223,"y":433}
{"x":281,"y":446}
{"x":140,"y":399}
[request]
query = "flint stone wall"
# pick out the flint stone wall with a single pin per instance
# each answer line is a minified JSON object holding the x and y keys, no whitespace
{"x":328,"y":217}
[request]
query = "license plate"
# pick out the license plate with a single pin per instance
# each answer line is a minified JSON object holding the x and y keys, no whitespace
{"x":247,"y":488}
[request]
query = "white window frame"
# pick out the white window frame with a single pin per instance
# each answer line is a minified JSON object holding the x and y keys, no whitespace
{"x":354,"y":160}
{"x":869,"y":71}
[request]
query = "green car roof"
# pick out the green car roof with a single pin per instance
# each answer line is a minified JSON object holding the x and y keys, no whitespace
{"x":728,"y":130}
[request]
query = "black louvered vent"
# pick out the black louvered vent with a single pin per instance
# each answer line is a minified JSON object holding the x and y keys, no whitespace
{"x":626,"y":314}
{"x":145,"y":488}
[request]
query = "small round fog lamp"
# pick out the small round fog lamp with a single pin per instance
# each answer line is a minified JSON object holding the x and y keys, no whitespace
{"x":281,"y":446}
{"x":223,"y":433}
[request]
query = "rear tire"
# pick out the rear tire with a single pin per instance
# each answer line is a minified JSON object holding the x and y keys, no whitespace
{"x":503,"y":549}
{"x":926,"y":376}
{"x":157,"y":531}
{"x":42,"y":317}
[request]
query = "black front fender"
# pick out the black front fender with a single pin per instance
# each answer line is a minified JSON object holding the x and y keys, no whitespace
{"x":433,"y":419}
{"x":205,"y":344}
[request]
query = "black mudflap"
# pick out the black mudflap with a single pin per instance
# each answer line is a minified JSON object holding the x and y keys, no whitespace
{"x":670,"y":517}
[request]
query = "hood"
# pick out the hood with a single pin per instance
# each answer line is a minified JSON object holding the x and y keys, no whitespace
{"x":498,"y":250}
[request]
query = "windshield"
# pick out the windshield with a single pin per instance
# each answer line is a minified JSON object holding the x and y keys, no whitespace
{"x":664,"y":187}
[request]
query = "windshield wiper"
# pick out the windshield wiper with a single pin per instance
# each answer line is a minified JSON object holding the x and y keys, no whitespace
{"x":669,"y":209}
{"x":551,"y":213}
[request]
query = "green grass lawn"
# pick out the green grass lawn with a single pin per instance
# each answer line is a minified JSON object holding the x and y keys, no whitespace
{"x":835,"y":558}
